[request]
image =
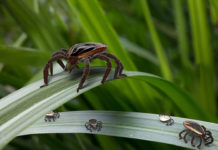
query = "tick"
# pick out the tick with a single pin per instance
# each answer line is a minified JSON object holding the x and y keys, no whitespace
{"x":93,"y":124}
{"x":196,"y":130}
{"x":166,"y":119}
{"x":83,"y":52}
{"x":52,"y":116}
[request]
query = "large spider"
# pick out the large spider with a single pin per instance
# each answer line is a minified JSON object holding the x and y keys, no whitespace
{"x":83,"y":52}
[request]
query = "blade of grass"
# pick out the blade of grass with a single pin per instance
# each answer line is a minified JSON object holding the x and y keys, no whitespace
{"x":131,"y":47}
{"x":122,"y":124}
{"x":203,"y":54}
{"x":165,"y":68}
{"x":23,"y":107}
{"x":181,"y":32}
{"x":40,"y":30}
{"x":22,"y":56}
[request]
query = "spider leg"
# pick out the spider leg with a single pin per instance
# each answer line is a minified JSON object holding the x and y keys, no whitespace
{"x":119,"y":68}
{"x":193,"y":141}
{"x":84,"y":76}
{"x":180,"y":134}
{"x":200,"y":143}
{"x":45,"y":72}
{"x":109,"y":65}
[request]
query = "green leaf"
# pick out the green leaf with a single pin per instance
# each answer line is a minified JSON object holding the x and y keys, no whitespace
{"x":22,"y":56}
{"x":141,"y":126}
{"x":165,"y":68}
{"x":23,"y":107}
{"x":203,"y":55}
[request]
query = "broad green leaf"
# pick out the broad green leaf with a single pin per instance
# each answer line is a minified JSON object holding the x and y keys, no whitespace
{"x":22,"y":56}
{"x":23,"y":107}
{"x":141,"y":126}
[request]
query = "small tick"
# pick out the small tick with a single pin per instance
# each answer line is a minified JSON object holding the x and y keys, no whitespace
{"x":52,"y":116}
{"x":83,"y":52}
{"x":166,"y":119}
{"x":93,"y":124}
{"x":196,"y":130}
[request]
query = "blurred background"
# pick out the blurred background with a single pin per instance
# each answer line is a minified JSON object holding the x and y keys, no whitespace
{"x":175,"y":39}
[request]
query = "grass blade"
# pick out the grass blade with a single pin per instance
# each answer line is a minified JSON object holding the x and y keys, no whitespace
{"x":23,"y":107}
{"x":122,"y":124}
{"x":165,"y":68}
{"x":22,"y":56}
{"x":203,"y":54}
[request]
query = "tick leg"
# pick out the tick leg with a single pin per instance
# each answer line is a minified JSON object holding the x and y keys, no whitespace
{"x":109,"y":65}
{"x":119,"y":68}
{"x":200,"y":143}
{"x":180,"y":134}
{"x":45,"y":72}
{"x":61,"y":63}
{"x":171,"y":122}
{"x":99,"y":125}
{"x":51,"y":68}
{"x":193,"y":141}
{"x":185,"y":137}
{"x":210,"y":137}
{"x":84,"y":76}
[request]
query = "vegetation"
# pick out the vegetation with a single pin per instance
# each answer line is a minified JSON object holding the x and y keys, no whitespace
{"x":173,"y":41}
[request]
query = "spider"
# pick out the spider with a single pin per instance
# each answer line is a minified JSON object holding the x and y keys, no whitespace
{"x":197,"y":130}
{"x":83,"y":52}
{"x":93,"y":124}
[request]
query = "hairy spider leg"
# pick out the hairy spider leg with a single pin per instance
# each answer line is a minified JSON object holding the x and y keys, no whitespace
{"x":180,"y":134}
{"x":200,"y":143}
{"x":85,"y":74}
{"x":193,"y":141}
{"x":45,"y":72}
{"x":119,"y":68}
{"x":109,"y":65}
{"x":185,"y":136}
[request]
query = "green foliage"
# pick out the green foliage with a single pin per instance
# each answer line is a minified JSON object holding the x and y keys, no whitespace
{"x":175,"y":39}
